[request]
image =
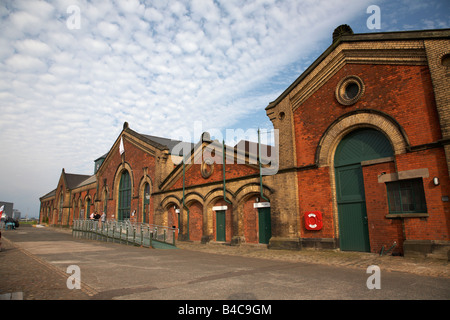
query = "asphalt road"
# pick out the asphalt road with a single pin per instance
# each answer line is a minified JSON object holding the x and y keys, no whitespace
{"x":34,"y":265}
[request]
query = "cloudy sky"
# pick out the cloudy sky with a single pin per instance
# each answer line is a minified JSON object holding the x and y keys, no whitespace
{"x":72,"y":71}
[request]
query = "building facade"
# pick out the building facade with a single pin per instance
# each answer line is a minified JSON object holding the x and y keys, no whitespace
{"x":363,"y":160}
{"x":365,"y":131}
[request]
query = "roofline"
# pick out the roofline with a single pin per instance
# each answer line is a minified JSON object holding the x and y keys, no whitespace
{"x":145,"y":139}
{"x":360,"y":37}
{"x":48,"y":195}
{"x":102,"y":157}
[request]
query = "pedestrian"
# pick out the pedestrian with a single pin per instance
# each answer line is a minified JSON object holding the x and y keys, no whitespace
{"x":91,"y":216}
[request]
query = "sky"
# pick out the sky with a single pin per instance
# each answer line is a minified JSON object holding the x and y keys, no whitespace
{"x":73,"y":71}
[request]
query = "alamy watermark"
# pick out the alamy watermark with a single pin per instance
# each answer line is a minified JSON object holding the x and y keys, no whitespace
{"x":244,"y":148}
{"x":74,"y":281}
{"x":374,"y":20}
{"x":73,"y":22}
{"x":374,"y":281}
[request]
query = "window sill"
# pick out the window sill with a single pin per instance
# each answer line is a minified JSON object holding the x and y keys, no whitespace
{"x":407,"y":215}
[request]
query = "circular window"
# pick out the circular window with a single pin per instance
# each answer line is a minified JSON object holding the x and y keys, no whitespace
{"x":349,"y":90}
{"x":445,"y":60}
{"x":281,"y":116}
{"x":207,"y":168}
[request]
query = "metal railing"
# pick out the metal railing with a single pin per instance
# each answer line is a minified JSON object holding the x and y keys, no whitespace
{"x":142,"y":234}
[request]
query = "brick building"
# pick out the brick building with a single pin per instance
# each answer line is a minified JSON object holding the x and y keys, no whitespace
{"x":363,"y":160}
{"x":143,"y":179}
{"x":365,"y":131}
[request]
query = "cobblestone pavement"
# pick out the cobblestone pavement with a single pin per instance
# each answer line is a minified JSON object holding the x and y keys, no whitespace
{"x":28,"y":276}
{"x":23,"y":274}
{"x":419,"y":266}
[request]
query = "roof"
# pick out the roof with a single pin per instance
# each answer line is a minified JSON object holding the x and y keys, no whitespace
{"x":158,"y":142}
{"x":170,"y":143}
{"x":49,"y":195}
{"x":102,"y":157}
{"x":73,"y":180}
{"x":350,"y":37}
{"x":87,"y":181}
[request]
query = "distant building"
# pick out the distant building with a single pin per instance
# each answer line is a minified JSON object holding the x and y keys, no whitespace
{"x":16,"y":214}
{"x":8,"y":208}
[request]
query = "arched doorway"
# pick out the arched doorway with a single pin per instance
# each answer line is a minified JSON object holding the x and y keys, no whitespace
{"x":257,"y":220}
{"x":357,"y":146}
{"x":222,"y":220}
{"x":195,"y":221}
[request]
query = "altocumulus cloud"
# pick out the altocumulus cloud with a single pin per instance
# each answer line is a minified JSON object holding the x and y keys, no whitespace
{"x":160,"y":65}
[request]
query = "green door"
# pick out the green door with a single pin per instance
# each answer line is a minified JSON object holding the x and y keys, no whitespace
{"x":265,"y":227}
{"x":354,"y":234}
{"x":220,"y":225}
{"x":360,"y":145}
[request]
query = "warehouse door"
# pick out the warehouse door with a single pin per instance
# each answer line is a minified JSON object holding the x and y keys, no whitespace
{"x":220,"y":225}
{"x":265,"y":228}
{"x":360,"y":145}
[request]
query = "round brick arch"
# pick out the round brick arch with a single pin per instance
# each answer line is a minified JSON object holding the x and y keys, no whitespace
{"x":344,"y":125}
{"x":355,"y":120}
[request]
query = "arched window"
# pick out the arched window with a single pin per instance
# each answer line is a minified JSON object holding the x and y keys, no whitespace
{"x":88,"y":207}
{"x":124,"y":196}
{"x":146,"y":203}
{"x":80,"y":209}
{"x":105,"y":202}
{"x":61,"y":202}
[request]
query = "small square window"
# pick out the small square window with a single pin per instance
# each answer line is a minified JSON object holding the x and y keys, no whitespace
{"x":406,"y":196}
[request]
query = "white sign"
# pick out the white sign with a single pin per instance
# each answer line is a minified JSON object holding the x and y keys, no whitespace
{"x":261,"y":205}
{"x":220,"y":208}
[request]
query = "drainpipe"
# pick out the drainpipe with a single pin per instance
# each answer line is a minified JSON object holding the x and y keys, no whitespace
{"x":223,"y":166}
{"x":260,"y":174}
{"x":184,"y":205}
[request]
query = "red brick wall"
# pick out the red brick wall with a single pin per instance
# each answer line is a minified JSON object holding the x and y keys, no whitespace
{"x":195,"y":221}
{"x":172,"y":218}
{"x":250,"y":221}
{"x":403,"y":92}
{"x":137,"y":159}
{"x":82,"y":195}
{"x":45,"y":212}
{"x":194,"y":177}
{"x":315,"y":195}
{"x":437,"y":225}
{"x":406,"y":94}
{"x":382,"y":231}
